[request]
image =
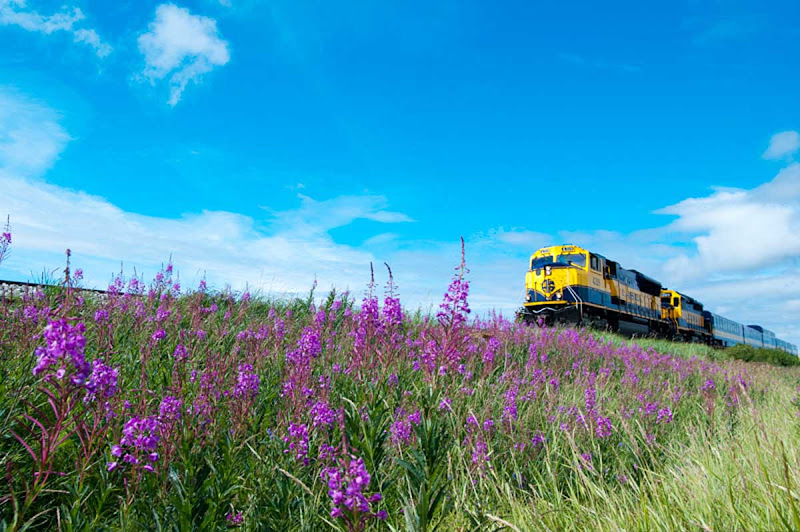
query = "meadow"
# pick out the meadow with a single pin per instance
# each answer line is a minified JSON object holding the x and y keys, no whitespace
{"x":155,"y":408}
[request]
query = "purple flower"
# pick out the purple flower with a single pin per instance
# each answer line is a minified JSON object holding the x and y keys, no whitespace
{"x":181,"y":354}
{"x":326,"y":452}
{"x":492,"y":347}
{"x":454,"y":308}
{"x":664,"y":416}
{"x":234,"y":519}
{"x":298,"y":442}
{"x":160,"y":334}
{"x":401,"y":430}
{"x":603,"y":428}
{"x":322,"y":415}
{"x":308,"y":347}
{"x":169,"y":411}
{"x":591,"y":399}
{"x":139,"y":440}
{"x":247,"y":382}
{"x":65,"y":345}
{"x":31,"y":313}
{"x":346,"y":488}
{"x":480,"y":454}
{"x":392,"y":311}
{"x":102,"y":382}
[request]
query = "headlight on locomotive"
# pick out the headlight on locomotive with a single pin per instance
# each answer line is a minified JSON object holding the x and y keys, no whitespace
{"x":528,"y":297}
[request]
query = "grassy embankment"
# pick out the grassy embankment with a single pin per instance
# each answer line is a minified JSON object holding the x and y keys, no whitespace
{"x":209,"y":411}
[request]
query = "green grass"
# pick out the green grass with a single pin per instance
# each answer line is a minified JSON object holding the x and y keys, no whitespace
{"x":728,"y":461}
{"x":719,"y":479}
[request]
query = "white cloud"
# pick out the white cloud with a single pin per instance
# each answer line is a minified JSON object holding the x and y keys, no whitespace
{"x":520,"y":237}
{"x":17,"y":13}
{"x":47,"y":219}
{"x":30,"y":136}
{"x":316,"y":217}
{"x":736,"y":233}
{"x":739,"y":230}
{"x":784,"y":188}
{"x":782,"y":145}
{"x":181,"y":47}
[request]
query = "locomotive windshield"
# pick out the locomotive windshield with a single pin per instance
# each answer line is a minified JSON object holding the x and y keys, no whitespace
{"x":560,"y":261}
{"x":541,"y":262}
{"x":573,"y":259}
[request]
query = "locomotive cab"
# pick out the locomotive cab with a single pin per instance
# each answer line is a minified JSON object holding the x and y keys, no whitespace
{"x":551,"y":280}
{"x":685,"y":315}
{"x":670,"y":305}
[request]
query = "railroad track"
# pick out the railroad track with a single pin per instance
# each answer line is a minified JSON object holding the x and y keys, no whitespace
{"x":20,"y":286}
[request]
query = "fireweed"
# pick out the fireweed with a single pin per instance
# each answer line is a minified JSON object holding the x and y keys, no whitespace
{"x":348,"y":488}
{"x":221,"y":408}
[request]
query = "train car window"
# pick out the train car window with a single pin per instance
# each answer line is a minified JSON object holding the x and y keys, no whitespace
{"x":595,"y":262}
{"x":675,"y":302}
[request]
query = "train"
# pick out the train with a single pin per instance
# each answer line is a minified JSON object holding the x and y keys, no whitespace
{"x":570,"y":284}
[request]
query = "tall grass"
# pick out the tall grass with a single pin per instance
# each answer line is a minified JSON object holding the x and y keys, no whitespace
{"x":152,"y":408}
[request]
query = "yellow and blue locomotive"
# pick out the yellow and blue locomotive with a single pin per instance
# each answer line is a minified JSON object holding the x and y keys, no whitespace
{"x":570,"y":284}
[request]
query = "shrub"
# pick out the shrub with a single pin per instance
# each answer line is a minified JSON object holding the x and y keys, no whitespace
{"x":749,"y":353}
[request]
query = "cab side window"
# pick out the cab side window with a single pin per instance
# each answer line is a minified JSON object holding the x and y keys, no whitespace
{"x":595,"y":263}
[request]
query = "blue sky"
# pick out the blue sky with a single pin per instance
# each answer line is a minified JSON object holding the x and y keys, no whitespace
{"x":266,"y":143}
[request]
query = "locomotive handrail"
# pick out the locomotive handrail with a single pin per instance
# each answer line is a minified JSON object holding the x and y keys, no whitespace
{"x":578,"y":299}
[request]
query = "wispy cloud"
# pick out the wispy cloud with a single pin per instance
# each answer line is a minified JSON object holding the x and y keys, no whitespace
{"x":17,"y":13}
{"x":722,"y":28}
{"x":782,"y":145}
{"x":181,"y":47}
{"x":31,"y":137}
{"x":315,"y":217}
